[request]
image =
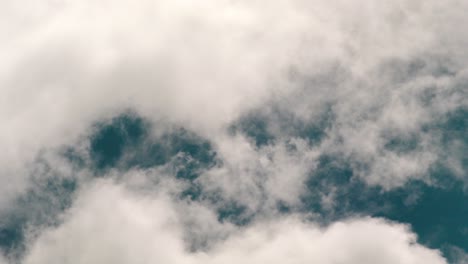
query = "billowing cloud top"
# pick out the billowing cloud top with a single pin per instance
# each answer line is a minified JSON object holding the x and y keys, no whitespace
{"x":224,"y":131}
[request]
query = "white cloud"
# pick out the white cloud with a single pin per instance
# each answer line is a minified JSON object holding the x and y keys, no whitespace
{"x":3,"y":260}
{"x":258,"y":178}
{"x":111,"y":224}
{"x":202,"y":65}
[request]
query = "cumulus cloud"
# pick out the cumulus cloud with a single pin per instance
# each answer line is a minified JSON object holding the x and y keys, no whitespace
{"x":203,"y":64}
{"x":147,"y":229}
{"x":365,"y":82}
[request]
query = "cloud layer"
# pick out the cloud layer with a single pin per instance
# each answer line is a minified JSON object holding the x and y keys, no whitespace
{"x":147,"y":229}
{"x":238,"y":113}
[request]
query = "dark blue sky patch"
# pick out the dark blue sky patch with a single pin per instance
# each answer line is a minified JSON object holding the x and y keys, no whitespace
{"x":439,"y":217}
{"x":125,"y":142}
{"x":233,"y":212}
{"x":12,"y":229}
{"x":73,"y":157}
{"x":110,"y":140}
{"x":49,"y":195}
{"x":451,"y":133}
{"x":122,"y":143}
{"x":333,"y":176}
{"x":437,"y":213}
{"x":266,"y":127}
{"x":315,"y":132}
{"x":184,"y":153}
{"x":454,"y":126}
{"x":255,"y":126}
{"x":37,"y":208}
{"x":436,"y":209}
{"x":188,"y":153}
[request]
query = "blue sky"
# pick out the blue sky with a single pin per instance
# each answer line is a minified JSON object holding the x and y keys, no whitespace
{"x":233,"y":131}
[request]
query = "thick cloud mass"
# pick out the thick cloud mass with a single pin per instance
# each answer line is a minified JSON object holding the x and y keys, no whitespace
{"x":147,"y":230}
{"x":224,"y":131}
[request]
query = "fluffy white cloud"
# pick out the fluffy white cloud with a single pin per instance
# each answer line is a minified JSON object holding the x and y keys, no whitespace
{"x":112,"y":224}
{"x":66,"y":64}
{"x":258,"y":178}
{"x":385,"y":69}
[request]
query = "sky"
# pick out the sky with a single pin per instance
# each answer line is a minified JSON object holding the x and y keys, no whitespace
{"x":232,"y":131}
